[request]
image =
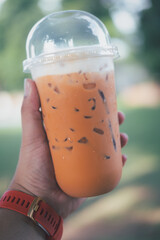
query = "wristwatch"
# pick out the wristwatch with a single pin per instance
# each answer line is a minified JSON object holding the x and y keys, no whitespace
{"x":35,"y":208}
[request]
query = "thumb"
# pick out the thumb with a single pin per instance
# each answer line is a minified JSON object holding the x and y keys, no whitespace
{"x":32,"y":124}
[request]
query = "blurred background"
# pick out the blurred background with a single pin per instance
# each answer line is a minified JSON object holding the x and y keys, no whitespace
{"x":132,"y":210}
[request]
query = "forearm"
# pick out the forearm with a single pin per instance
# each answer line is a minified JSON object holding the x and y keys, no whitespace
{"x":16,"y":226}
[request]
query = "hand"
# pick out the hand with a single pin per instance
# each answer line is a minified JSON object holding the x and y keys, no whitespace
{"x":35,"y":172}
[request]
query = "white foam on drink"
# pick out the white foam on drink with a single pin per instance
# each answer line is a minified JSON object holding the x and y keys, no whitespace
{"x":82,"y":65}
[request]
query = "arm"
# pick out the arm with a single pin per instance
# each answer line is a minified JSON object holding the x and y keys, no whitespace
{"x":15,"y":226}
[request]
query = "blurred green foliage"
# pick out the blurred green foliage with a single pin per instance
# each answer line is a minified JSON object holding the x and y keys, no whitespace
{"x":96,"y":8}
{"x":16,"y":19}
{"x":18,"y":16}
{"x":150,"y":30}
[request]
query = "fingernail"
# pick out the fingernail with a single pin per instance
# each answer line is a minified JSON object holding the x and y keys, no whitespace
{"x":125,"y":156}
{"x":26,"y":87}
{"x":123,"y":114}
{"x":125,"y":135}
{"x":124,"y":159}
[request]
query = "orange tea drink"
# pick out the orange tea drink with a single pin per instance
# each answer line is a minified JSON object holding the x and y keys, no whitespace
{"x":80,"y":117}
{"x":70,"y":57}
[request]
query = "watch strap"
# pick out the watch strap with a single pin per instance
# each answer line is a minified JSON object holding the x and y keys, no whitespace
{"x":36,"y":209}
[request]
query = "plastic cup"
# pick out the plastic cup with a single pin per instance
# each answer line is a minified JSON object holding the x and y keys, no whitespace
{"x":70,"y":57}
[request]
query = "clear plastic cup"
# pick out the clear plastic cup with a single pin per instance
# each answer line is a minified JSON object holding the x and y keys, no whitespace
{"x":70,"y":57}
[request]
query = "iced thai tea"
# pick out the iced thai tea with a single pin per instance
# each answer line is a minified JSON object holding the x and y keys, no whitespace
{"x":80,"y":117}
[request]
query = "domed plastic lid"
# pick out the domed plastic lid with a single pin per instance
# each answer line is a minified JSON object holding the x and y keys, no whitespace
{"x":67,"y":35}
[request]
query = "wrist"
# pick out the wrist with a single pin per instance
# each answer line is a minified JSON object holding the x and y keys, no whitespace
{"x":15,"y":185}
{"x":53,"y":198}
{"x":37,"y":210}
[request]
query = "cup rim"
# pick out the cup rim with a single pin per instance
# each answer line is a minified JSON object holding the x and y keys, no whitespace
{"x":71,"y":54}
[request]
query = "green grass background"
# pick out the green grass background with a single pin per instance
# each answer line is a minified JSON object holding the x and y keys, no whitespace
{"x":10,"y":140}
